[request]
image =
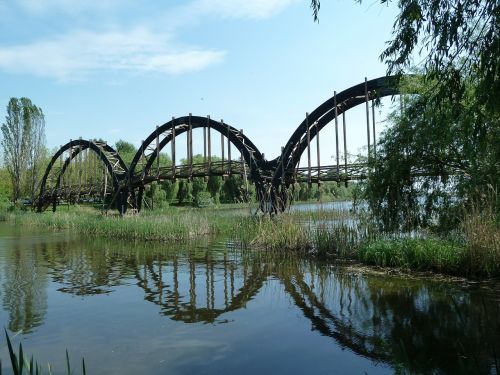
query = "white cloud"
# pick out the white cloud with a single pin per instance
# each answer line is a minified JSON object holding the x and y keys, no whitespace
{"x":255,"y":9}
{"x":79,"y":53}
{"x":68,"y":6}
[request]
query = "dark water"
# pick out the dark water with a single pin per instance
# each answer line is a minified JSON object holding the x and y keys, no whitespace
{"x":211,"y":308}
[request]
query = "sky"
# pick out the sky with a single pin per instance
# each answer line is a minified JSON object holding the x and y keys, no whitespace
{"x":115,"y":69}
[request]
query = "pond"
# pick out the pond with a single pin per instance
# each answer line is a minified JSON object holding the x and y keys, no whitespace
{"x":210,"y":307}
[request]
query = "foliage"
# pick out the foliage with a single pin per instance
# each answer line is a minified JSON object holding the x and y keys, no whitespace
{"x":5,"y":184}
{"x":23,"y":145}
{"x":450,"y":131}
{"x":436,"y":157}
{"x":214,"y":186}
{"x":203,"y":199}
{"x":455,"y":36}
{"x":126,"y":150}
{"x":327,"y":191}
{"x":170,"y":188}
{"x":184,"y":193}
{"x":158,"y":195}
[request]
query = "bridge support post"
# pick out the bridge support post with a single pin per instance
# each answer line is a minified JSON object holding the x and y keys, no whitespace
{"x":317,"y":153}
{"x":228,"y":151}
{"x":190,"y":149}
{"x":345,"y":145}
{"x":58,"y":188}
{"x":337,"y":151}
{"x":157,"y":154}
{"x":80,"y":169}
{"x":245,"y":178}
{"x":373,"y":126}
{"x":70,"y":170}
{"x":172,"y":142}
{"x":209,"y":146}
{"x":367,"y":117}
{"x":222,"y":148}
{"x":205,"y":150}
{"x":309,"y":177}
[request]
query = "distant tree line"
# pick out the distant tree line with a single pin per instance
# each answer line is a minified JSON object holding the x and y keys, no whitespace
{"x":219,"y":190}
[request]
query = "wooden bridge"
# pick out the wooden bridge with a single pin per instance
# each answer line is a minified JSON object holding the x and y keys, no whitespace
{"x":89,"y":170}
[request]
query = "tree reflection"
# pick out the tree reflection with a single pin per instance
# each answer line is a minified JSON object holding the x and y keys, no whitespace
{"x":24,"y":285}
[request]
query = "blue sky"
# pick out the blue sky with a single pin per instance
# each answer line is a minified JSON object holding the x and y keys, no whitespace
{"x":114,"y":69}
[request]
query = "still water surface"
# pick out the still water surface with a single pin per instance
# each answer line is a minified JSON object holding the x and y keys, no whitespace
{"x":210,"y":308}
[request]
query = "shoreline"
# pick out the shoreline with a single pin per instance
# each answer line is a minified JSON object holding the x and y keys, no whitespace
{"x":328,"y":234}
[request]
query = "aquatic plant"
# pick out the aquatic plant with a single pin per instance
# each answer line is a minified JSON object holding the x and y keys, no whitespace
{"x":20,"y":362}
{"x":414,"y":253}
{"x":481,"y":231}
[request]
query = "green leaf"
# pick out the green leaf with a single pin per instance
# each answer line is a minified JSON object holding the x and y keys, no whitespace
{"x":13,"y":358}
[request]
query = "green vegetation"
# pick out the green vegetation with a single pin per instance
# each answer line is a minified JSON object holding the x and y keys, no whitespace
{"x":23,"y":143}
{"x":431,"y":164}
{"x":21,"y":363}
{"x":415,"y":253}
{"x":436,"y":167}
{"x":167,"y":226}
{"x":473,"y":251}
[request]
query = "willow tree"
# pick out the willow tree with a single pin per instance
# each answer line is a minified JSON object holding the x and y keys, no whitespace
{"x":23,"y":145}
{"x":448,"y":135}
{"x":451,"y":37}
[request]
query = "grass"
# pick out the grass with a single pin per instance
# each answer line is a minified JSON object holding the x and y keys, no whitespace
{"x":415,"y":253}
{"x":182,"y":225}
{"x":474,"y":251}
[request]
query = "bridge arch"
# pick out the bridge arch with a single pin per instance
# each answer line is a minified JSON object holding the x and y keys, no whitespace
{"x":149,"y":151}
{"x":317,"y":120}
{"x":55,"y":171}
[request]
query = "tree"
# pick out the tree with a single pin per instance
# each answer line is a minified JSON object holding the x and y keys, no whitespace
{"x":23,"y":144}
{"x":214,"y":187}
{"x":455,"y":36}
{"x":184,"y":192}
{"x":126,"y":150}
{"x":434,"y":160}
{"x":449,"y":133}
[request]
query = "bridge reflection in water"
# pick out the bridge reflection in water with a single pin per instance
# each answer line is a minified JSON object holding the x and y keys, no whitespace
{"x":415,"y":325}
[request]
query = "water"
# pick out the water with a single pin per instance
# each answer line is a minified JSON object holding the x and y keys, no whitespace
{"x":208,"y":307}
{"x":337,"y":205}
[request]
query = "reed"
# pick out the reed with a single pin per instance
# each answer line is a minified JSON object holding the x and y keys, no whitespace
{"x":341,"y":239}
{"x":280,"y":233}
{"x":481,"y":232}
{"x":23,"y":365}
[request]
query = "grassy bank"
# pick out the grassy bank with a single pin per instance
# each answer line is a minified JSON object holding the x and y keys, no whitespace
{"x":170,"y":226}
{"x":475,"y":252}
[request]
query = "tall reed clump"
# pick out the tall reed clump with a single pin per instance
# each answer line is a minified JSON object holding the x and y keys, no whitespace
{"x":482,"y":235}
{"x":280,"y":233}
{"x":20,"y":362}
{"x":341,"y":239}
